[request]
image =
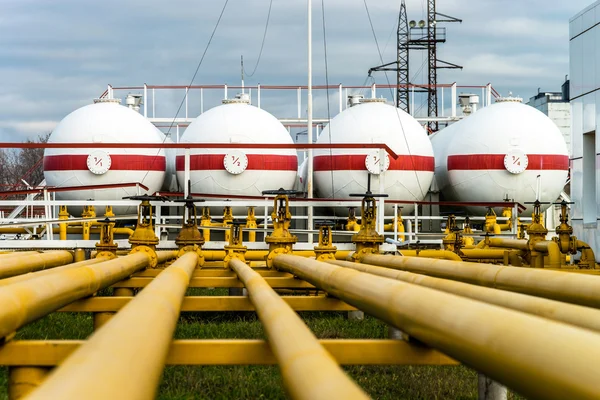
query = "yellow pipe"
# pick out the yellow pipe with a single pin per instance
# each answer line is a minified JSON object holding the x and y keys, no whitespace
{"x":26,"y":301}
{"x":442,"y":254}
{"x":124,"y":359}
{"x":78,"y":255}
{"x":552,"y":249}
{"x":71,"y":229}
{"x":561,"y":286}
{"x":165,"y":255}
{"x":470,"y":331}
{"x":259,"y":255}
{"x":31,"y":275}
{"x":584,"y":317}
{"x":12,"y":266}
{"x":587,"y":253}
{"x":518,"y":244}
{"x":512,"y":256}
{"x":5,"y":256}
{"x":308,"y":370}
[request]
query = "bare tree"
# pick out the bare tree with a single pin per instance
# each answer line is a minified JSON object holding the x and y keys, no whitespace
{"x":22,"y":164}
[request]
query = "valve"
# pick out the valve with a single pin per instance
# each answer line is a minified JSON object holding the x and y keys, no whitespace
{"x":537,"y":232}
{"x":235,"y":248}
{"x":88,"y":213}
{"x":280,"y":240}
{"x":353,"y":224}
{"x":143,"y":238}
{"x":227,"y":219}
{"x":486,"y":238}
{"x":491,"y":221}
{"x":537,"y":213}
{"x":367,"y":240}
{"x":106,"y":247}
{"x":467,"y":225}
{"x":251,"y":224}
{"x":205,"y":221}
{"x":453,"y":240}
{"x":325,"y":250}
{"x":564,"y":231}
{"x":190,"y":238}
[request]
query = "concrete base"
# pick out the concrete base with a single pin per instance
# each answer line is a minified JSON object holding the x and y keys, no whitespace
{"x":238,"y":291}
{"x":357,"y":315}
{"x":395,"y":333}
{"x":489,"y":389}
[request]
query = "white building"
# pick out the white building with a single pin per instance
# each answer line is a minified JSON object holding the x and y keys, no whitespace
{"x":556,"y":106}
{"x":584,"y":36}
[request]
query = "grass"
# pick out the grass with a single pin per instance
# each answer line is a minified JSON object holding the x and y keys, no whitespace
{"x":264,"y":382}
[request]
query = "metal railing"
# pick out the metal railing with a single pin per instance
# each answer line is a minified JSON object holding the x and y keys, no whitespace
{"x":206,"y":96}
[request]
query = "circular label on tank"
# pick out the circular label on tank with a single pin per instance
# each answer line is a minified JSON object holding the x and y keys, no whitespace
{"x":99,"y":162}
{"x":516,"y":161}
{"x":235,"y":162}
{"x":373,"y":165}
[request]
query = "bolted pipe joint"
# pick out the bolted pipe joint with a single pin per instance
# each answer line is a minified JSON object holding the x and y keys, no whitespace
{"x":149,"y":251}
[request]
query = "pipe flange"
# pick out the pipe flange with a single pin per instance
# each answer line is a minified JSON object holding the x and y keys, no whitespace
{"x":106,"y":254}
{"x":150,"y":252}
{"x":274,"y":253}
{"x":193,"y":248}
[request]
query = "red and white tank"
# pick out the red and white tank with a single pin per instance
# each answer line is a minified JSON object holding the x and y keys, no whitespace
{"x":104,"y":122}
{"x":339,"y":172}
{"x":231,"y":171}
{"x":507,"y":149}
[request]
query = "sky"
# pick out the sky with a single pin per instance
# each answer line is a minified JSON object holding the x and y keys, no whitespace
{"x":56,"y":56}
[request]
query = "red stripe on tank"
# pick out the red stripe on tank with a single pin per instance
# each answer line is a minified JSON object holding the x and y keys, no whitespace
{"x":496,"y":161}
{"x":119,"y":162}
{"x":356,"y":162}
{"x":268,"y":162}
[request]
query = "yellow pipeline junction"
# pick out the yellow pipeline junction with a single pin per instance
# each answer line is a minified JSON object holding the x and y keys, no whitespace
{"x":521,"y":318}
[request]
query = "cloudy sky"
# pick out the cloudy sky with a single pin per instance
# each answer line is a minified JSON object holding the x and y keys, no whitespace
{"x":56,"y":56}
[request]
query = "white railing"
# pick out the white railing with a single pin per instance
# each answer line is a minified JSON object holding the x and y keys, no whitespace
{"x":263,"y":208}
{"x":195,"y":99}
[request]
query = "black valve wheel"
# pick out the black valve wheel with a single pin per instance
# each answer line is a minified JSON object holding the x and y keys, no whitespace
{"x":188,"y":200}
{"x":145,"y":197}
{"x":368,"y":194}
{"x":105,"y":220}
{"x":320,"y":224}
{"x":282,"y":191}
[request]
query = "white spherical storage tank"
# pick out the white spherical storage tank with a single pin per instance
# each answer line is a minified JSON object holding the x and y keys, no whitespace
{"x":507,"y":149}
{"x":235,"y":171}
{"x":340,"y":172}
{"x":104,"y":122}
